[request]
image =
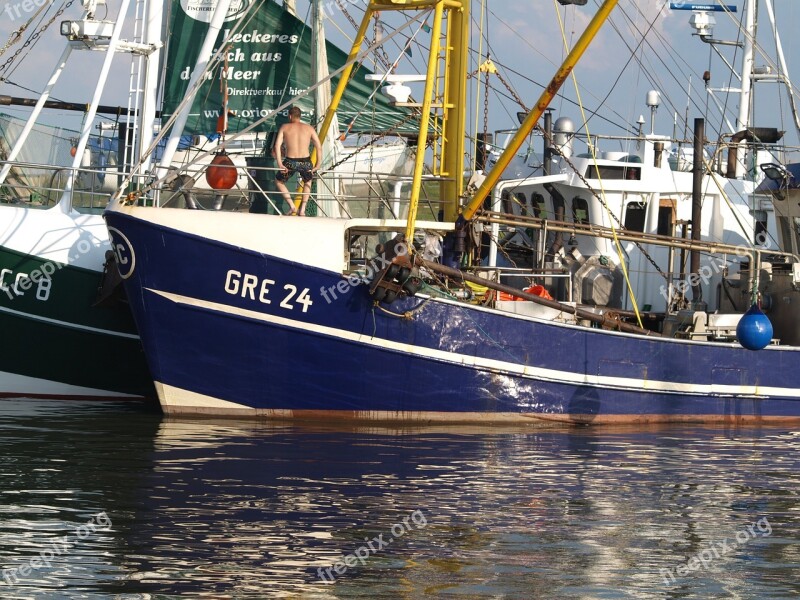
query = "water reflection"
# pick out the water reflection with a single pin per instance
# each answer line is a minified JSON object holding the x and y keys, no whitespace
{"x":245,"y":510}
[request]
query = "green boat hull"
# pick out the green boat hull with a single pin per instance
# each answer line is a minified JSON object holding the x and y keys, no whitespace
{"x":57,"y":343}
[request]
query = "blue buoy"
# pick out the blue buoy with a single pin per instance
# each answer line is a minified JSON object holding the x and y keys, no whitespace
{"x":754,"y":330}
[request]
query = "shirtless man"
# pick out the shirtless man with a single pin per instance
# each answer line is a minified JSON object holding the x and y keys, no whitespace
{"x":296,"y":136}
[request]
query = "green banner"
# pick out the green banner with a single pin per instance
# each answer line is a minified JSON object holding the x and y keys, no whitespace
{"x":269,"y":63}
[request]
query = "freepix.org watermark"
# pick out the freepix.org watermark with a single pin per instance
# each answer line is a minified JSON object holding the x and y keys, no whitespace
{"x":14,"y":285}
{"x":329,"y":7}
{"x":714,"y":267}
{"x":704,"y":558}
{"x":16,"y":10}
{"x":58,"y":547}
{"x":416,"y":520}
{"x":362,"y":276}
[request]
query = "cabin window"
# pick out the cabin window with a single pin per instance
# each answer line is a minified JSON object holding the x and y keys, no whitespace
{"x":760,"y":235}
{"x":523,"y":203}
{"x":633,"y":173}
{"x":786,"y":234}
{"x":538,"y":205}
{"x":364,"y":245}
{"x":508,"y":206}
{"x":665,"y":218}
{"x":635,"y":213}
{"x":580,"y":210}
{"x":613,"y":172}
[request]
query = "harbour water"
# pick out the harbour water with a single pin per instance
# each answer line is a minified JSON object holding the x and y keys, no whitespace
{"x":108,"y":500}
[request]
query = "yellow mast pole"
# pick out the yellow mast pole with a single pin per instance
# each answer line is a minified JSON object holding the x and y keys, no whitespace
{"x":344,"y":78}
{"x":453,"y":104}
{"x":455,"y":110}
{"x":544,"y":100}
{"x":419,"y":162}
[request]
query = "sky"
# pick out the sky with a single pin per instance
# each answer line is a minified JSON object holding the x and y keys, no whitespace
{"x":524,"y":39}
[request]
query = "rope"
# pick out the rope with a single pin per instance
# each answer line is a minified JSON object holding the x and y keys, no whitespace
{"x":406,"y":315}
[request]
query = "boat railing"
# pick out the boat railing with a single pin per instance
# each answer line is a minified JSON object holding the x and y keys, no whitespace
{"x":627,"y":235}
{"x":678,"y":149}
{"x":351,"y":194}
{"x":38,"y":185}
{"x":522,"y":278}
{"x":338,"y":194}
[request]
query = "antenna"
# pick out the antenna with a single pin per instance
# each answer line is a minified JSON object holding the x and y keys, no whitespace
{"x":688,"y":103}
{"x":653,"y":100}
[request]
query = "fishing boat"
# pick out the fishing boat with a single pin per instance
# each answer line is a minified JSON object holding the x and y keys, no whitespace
{"x":63,"y":337}
{"x":72,"y":337}
{"x":501,"y":300}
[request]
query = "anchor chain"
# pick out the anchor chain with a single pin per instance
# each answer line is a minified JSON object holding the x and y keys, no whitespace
{"x":383,"y":59}
{"x":373,"y":141}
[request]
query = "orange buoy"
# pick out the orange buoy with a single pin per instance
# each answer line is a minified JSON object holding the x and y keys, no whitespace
{"x":73,"y":151}
{"x":221,"y":173}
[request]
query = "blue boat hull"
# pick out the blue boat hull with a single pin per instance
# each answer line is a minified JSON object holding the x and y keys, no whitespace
{"x":233,"y":331}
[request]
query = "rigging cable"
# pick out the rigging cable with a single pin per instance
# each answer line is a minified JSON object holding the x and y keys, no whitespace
{"x":32,"y":40}
{"x":593,"y":150}
{"x":478,"y":94}
{"x":16,"y":35}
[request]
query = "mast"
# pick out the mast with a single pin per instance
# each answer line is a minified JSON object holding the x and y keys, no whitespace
{"x":325,"y":198}
{"x":152,"y":36}
{"x":444,"y":99}
{"x":697,"y":208}
{"x":65,"y":203}
{"x":458,"y":25}
{"x":743,"y":120}
{"x":416,"y":186}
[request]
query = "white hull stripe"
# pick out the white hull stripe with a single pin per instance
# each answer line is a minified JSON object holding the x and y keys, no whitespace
{"x":178,"y":397}
{"x":22,"y":385}
{"x":502,"y":367}
{"x":67,"y":324}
